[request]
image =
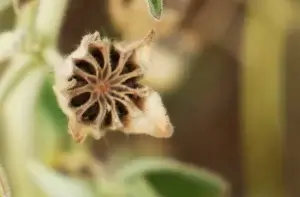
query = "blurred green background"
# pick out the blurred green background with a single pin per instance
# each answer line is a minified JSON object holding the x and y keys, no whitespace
{"x":227,"y":71}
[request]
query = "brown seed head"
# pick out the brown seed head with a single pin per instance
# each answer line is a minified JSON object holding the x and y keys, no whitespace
{"x":99,"y":89}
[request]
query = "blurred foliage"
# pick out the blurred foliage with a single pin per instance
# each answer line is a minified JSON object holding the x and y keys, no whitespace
{"x":263,"y":78}
{"x":139,"y":177}
{"x":34,"y":130}
{"x":5,"y":4}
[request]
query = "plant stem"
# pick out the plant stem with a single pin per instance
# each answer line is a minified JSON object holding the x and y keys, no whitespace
{"x":262,"y":98}
{"x":49,"y":20}
{"x":18,"y":124}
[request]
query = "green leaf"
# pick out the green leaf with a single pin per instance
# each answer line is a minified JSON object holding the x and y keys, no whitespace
{"x":51,"y":134}
{"x":49,"y":105}
{"x":54,"y":124}
{"x":49,"y":109}
{"x":173,"y":179}
{"x":141,"y":188}
{"x":56,"y":185}
{"x":156,"y":8}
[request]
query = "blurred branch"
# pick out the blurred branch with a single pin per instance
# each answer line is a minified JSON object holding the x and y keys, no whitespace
{"x":18,"y":118}
{"x":262,"y":97}
{"x":4,"y":187}
{"x":25,"y":24}
{"x":20,"y":62}
{"x":14,"y":75}
{"x":16,"y":6}
{"x":40,"y":22}
{"x":10,"y":44}
{"x":49,"y":20}
{"x":29,"y":27}
{"x":52,"y":58}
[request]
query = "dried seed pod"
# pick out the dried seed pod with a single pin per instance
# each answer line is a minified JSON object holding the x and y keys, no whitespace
{"x":99,"y":90}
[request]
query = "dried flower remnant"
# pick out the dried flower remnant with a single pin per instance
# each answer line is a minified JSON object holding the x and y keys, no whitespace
{"x":99,"y":90}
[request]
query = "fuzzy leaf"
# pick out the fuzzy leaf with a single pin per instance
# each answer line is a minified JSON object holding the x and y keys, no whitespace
{"x":173,"y":179}
{"x":56,"y":185}
{"x":155,"y":8}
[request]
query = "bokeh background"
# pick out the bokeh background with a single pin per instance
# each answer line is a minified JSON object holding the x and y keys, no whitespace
{"x":228,"y":74}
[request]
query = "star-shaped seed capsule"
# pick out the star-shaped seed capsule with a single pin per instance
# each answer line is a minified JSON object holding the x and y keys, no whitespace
{"x":98,"y":88}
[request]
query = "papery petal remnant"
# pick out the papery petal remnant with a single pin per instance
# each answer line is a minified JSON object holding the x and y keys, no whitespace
{"x":99,"y":89}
